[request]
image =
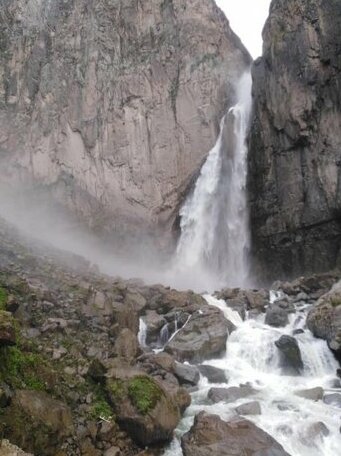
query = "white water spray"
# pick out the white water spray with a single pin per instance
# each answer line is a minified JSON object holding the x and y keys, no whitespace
{"x":214,"y":241}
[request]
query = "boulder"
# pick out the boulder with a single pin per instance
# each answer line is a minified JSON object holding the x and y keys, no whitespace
{"x":154,"y":323}
{"x":36,"y":422}
{"x":142,"y":406}
{"x":291,"y":360}
{"x":203,"y":337}
{"x":211,"y":436}
{"x":324,"y":319}
{"x":249,"y":408}
{"x":7,"y":329}
{"x":213,"y":374}
{"x":313,"y":394}
{"x":276,"y":316}
{"x":187,"y":375}
{"x":333,"y":399}
{"x":230,"y":394}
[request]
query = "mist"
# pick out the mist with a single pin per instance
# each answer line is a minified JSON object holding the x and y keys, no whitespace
{"x":40,"y":219}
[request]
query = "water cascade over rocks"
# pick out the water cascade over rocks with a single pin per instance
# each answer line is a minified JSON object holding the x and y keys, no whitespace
{"x":214,"y":237}
{"x":291,"y":408}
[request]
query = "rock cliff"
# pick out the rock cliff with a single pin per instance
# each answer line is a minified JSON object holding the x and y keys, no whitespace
{"x":295,"y":141}
{"x":112,"y":105}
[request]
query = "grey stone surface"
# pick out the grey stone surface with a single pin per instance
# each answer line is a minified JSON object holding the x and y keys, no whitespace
{"x":295,"y":143}
{"x":113,"y":105}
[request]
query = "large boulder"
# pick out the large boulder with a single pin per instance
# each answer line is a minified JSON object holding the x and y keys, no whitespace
{"x":36,"y":422}
{"x":213,"y":374}
{"x":276,"y":316}
{"x":211,"y":436}
{"x":7,"y":329}
{"x":142,"y":406}
{"x":291,"y":359}
{"x":324,"y":319}
{"x":203,"y":337}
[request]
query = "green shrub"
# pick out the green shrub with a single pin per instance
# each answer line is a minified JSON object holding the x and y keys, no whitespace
{"x":144,"y":393}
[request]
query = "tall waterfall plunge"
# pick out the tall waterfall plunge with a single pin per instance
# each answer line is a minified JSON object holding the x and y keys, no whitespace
{"x":214,"y":241}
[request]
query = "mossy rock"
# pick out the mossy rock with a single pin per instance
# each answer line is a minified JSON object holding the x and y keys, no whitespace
{"x":142,"y":407}
{"x":3,"y":298}
{"x":36,"y":423}
{"x":7,"y":329}
{"x":24,"y":369}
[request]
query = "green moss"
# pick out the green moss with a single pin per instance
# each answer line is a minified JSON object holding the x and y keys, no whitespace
{"x":20,"y":369}
{"x":3,"y":298}
{"x":101,"y":409}
{"x":335,"y":301}
{"x":116,"y":389}
{"x":144,"y":393}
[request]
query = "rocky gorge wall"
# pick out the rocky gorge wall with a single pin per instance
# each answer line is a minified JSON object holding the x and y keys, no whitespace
{"x":295,"y":141}
{"x":111,"y":106}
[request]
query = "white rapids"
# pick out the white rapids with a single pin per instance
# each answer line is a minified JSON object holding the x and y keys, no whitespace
{"x":252,"y":357}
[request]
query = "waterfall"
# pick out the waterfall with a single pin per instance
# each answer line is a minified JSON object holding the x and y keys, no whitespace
{"x":214,"y":238}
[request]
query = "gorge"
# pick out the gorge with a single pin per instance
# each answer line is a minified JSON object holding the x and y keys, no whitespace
{"x":138,"y":140}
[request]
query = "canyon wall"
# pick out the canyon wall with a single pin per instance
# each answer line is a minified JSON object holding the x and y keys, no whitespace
{"x":295,"y":140}
{"x":112,"y":105}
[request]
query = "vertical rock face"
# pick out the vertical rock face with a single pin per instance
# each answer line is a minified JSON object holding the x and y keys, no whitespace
{"x":295,"y":140}
{"x":112,"y":105}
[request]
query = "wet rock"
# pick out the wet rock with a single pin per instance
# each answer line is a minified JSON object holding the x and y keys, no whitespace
{"x":314,"y":432}
{"x":187,"y":375}
{"x":211,"y":436}
{"x":314,"y":394}
{"x":333,"y":399}
{"x":203,"y":337}
{"x":298,"y":331}
{"x":97,"y":370}
{"x":249,"y":408}
{"x":230,"y":394}
{"x":155,"y":323}
{"x":7,"y":329}
{"x":276,"y":316}
{"x":142,"y":406}
{"x":291,"y":360}
{"x":213,"y":374}
{"x":324,"y":319}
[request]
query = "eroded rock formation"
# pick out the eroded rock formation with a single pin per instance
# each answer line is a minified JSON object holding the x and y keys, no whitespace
{"x":295,"y":142}
{"x":112,"y":105}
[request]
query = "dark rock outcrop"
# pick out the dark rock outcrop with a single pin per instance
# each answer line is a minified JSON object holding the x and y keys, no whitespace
{"x":291,"y":359}
{"x":211,"y":436}
{"x":324,"y":319}
{"x":112,"y":106}
{"x":294,"y":144}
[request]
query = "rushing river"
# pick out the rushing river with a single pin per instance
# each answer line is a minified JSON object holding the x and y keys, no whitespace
{"x":252,"y":358}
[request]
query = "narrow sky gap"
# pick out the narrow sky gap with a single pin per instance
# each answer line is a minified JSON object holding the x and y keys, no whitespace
{"x":247,"y":18}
